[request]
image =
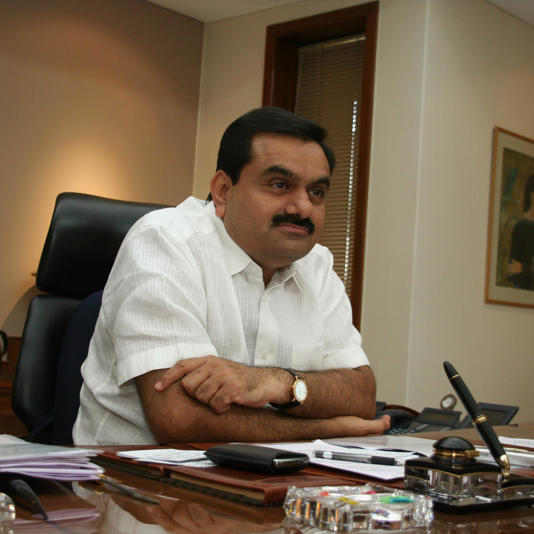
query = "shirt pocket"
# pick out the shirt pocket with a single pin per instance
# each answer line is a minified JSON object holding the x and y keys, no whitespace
{"x":308,"y":356}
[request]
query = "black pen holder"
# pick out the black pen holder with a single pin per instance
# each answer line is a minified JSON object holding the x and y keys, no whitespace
{"x":457,"y":482}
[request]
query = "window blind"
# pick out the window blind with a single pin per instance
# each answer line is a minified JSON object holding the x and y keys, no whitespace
{"x":329,"y":86}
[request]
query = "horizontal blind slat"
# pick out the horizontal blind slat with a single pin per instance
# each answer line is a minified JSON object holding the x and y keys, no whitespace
{"x":328,"y":92}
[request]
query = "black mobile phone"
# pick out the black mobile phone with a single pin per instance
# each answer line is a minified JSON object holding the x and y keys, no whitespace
{"x":257,"y":458}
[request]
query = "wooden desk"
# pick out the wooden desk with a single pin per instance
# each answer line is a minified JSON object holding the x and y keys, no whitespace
{"x":183,"y":511}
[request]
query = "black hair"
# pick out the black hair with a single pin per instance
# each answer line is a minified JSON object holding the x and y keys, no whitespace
{"x":234,"y":150}
{"x":529,"y":189}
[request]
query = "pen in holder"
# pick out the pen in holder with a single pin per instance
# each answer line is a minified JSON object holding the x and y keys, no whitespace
{"x":457,"y":482}
{"x":454,"y":478}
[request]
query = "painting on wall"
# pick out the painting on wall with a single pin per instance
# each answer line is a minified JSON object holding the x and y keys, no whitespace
{"x":510,"y":256}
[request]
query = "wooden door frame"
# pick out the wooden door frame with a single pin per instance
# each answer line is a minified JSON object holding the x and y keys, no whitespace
{"x":279,"y":89}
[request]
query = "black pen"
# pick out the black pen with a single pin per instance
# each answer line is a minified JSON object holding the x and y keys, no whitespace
{"x":479,"y":419}
{"x":23,"y":490}
{"x":357,"y":457}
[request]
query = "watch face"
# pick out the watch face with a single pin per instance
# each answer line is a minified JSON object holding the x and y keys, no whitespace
{"x":448,"y":402}
{"x":300,"y":390}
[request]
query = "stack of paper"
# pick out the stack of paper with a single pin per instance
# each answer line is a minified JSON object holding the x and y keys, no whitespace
{"x":169,"y":457}
{"x":520,"y":452}
{"x":46,"y":461}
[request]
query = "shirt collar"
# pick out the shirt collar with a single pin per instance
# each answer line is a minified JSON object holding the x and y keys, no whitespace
{"x":237,"y":260}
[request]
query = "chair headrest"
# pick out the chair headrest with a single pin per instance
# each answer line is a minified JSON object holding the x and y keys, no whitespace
{"x":84,"y":237}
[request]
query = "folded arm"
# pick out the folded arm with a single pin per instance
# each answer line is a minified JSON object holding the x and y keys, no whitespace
{"x":221,"y":383}
{"x":173,"y":415}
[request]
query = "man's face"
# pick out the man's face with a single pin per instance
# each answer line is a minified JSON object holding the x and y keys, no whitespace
{"x":276,"y":211}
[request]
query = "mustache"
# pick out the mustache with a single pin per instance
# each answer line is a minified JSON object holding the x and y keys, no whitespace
{"x":294,"y":218}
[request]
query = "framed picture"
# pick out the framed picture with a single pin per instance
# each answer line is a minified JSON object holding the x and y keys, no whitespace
{"x":510,"y":255}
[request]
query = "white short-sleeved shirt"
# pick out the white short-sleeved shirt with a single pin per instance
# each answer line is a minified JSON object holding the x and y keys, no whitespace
{"x":181,"y":287}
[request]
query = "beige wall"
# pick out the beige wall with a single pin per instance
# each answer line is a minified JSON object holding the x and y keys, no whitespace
{"x":97,"y":97}
{"x":447,"y":72}
{"x":479,"y":73}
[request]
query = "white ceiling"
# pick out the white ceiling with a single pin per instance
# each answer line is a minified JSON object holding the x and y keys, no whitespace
{"x":524,"y":9}
{"x":213,"y":10}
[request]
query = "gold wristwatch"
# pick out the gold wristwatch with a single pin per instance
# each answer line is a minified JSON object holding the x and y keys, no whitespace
{"x":299,"y":392}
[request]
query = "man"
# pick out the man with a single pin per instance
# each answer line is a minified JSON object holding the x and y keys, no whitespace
{"x":520,"y":268}
{"x":210,"y":308}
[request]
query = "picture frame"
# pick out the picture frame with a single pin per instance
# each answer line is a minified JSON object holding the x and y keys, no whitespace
{"x":510,"y":246}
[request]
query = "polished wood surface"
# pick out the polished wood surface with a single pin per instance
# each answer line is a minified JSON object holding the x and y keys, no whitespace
{"x":89,"y":507}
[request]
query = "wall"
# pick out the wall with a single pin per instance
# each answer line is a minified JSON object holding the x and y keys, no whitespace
{"x":392,"y":207}
{"x":97,"y":97}
{"x":447,"y":72}
{"x":479,"y":73}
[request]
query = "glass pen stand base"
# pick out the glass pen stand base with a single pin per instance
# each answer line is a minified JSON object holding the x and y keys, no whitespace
{"x":474,"y":487}
{"x":351,"y":509}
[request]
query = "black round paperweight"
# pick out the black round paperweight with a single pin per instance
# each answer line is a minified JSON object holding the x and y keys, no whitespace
{"x":454,"y":452}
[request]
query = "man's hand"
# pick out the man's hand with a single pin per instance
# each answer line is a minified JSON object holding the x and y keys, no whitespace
{"x":356,"y":426}
{"x":173,"y":415}
{"x":219,"y":383}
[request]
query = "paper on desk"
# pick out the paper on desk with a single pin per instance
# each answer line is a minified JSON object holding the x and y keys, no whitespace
{"x":517,"y":442}
{"x":169,"y":457}
{"x":406,"y":443}
{"x":382,"y":472}
{"x":46,"y":461}
{"x":6,"y":439}
{"x":517,"y":457}
{"x":425,"y":446}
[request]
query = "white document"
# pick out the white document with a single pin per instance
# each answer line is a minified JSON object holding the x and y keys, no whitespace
{"x":169,"y":457}
{"x":517,"y":459}
{"x":518,"y":442}
{"x":46,"y":461}
{"x":382,"y":472}
{"x":6,"y":439}
{"x":425,"y":446}
{"x":405,"y":443}
{"x":512,"y":446}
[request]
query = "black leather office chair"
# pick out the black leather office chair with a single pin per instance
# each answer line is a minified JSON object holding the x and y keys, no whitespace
{"x":84,"y":237}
